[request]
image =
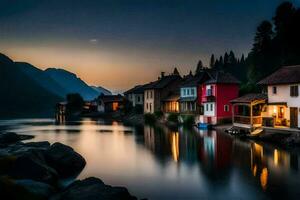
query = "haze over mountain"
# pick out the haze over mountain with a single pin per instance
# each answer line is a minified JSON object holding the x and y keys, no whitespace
{"x":28,"y":91}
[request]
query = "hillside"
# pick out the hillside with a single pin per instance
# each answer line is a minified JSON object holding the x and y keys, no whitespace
{"x":21,"y":95}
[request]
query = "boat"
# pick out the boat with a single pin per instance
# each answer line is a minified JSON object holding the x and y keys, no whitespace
{"x":204,"y":126}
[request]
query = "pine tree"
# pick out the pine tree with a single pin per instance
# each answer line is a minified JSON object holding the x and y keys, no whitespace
{"x":212,"y":61}
{"x":176,"y":72}
{"x":199,"y":67}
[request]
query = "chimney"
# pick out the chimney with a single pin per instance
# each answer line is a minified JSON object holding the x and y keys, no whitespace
{"x":162,"y":74}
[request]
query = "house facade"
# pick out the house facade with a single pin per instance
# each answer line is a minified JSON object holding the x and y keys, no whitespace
{"x":157,"y":94}
{"x":283,"y":106}
{"x":216,"y":95}
{"x":191,"y":94}
{"x":136,"y":95}
{"x":110,"y":103}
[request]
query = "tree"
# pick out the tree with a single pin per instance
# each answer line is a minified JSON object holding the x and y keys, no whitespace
{"x":74,"y":102}
{"x":200,"y":67}
{"x":212,"y":61}
{"x":176,"y":72}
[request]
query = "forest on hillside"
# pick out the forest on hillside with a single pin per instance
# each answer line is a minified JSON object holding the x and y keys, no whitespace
{"x":276,"y":43}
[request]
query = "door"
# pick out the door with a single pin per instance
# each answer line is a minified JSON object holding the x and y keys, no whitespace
{"x":294,"y":117}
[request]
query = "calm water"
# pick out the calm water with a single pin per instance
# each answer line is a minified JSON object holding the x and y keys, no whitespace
{"x":158,"y":163}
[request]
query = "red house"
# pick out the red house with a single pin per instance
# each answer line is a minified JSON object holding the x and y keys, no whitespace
{"x":216,"y":95}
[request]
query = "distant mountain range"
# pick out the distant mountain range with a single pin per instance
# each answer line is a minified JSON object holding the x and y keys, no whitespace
{"x":28,"y":91}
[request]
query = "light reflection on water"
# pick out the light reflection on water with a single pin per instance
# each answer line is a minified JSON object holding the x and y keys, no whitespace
{"x":159,"y":163}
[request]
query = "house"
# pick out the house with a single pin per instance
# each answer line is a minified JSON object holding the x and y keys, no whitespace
{"x":190,"y":90}
{"x":110,"y":103}
{"x":247,"y":111}
{"x":136,"y":95}
{"x":157,"y":94}
{"x":216,"y":94}
{"x":283,"y":106}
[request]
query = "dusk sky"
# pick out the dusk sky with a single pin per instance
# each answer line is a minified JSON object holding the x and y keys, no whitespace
{"x":121,"y":43}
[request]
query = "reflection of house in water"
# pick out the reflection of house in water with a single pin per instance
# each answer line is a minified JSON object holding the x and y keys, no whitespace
{"x":216,"y":150}
{"x":269,"y":166}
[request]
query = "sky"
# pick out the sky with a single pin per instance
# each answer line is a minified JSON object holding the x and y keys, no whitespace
{"x":121,"y":43}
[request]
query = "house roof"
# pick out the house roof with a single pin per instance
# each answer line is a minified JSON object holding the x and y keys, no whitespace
{"x":285,"y":75}
{"x":191,"y":80}
{"x":163,"y":82}
{"x":221,"y":77}
{"x":248,"y":98}
{"x":111,"y":98}
{"x":138,"y":89}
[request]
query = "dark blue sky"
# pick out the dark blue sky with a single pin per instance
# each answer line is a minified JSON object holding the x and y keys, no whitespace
{"x":105,"y":40}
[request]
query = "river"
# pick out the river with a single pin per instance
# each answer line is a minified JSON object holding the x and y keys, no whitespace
{"x":159,"y":163}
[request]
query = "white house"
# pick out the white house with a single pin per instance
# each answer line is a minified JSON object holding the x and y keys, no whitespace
{"x":283,"y":107}
{"x":136,"y":95}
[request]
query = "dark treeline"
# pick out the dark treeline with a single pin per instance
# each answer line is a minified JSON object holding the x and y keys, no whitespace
{"x":276,"y":43}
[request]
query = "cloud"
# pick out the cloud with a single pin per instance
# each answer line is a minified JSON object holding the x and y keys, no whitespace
{"x":93,"y":41}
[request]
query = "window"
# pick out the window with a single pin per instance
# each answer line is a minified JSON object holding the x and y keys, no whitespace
{"x":139,"y":98}
{"x":184,"y":92}
{"x":188,"y":91}
{"x":147,"y":94}
{"x":147,"y":106}
{"x":274,"y":90}
{"x":226,"y":108}
{"x":150,"y":107}
{"x":151,"y":95}
{"x":206,"y":107}
{"x":192,"y":91}
{"x":294,"y":90}
{"x":211,"y":107}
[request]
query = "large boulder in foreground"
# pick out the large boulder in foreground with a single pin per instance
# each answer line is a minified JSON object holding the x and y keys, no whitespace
{"x":31,"y":165}
{"x":10,"y":138}
{"x":24,"y":189}
{"x":93,"y":189}
{"x":64,"y":160}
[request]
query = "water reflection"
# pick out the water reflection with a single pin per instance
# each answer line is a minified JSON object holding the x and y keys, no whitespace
{"x":162,"y":163}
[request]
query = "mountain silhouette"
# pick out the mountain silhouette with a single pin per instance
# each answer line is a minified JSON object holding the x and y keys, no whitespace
{"x":21,"y":95}
{"x":28,"y":91}
{"x":71,"y":83}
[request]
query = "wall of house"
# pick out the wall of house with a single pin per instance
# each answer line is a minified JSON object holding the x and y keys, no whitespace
{"x":224,"y":94}
{"x":149,"y":98}
{"x":283,"y":95}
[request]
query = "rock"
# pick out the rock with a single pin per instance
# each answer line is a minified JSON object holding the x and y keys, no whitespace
{"x":64,"y":160}
{"x":31,"y":165}
{"x":24,"y":189}
{"x":10,"y":138}
{"x":93,"y":189}
{"x":39,"y":189}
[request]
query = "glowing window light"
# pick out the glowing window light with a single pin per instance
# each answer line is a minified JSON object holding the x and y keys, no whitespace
{"x":264,"y":178}
{"x":276,"y":157}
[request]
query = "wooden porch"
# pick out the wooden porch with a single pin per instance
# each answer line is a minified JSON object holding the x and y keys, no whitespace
{"x":246,"y":111}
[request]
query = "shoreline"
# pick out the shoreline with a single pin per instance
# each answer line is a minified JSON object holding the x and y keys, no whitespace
{"x":33,"y":170}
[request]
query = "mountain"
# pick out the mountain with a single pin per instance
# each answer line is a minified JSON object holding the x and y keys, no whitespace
{"x":101,"y":90}
{"x":42,"y":78}
{"x":20,"y":94}
{"x":71,"y":83}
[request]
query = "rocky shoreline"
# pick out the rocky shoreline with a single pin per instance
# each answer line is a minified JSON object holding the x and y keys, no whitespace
{"x":34,"y":170}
